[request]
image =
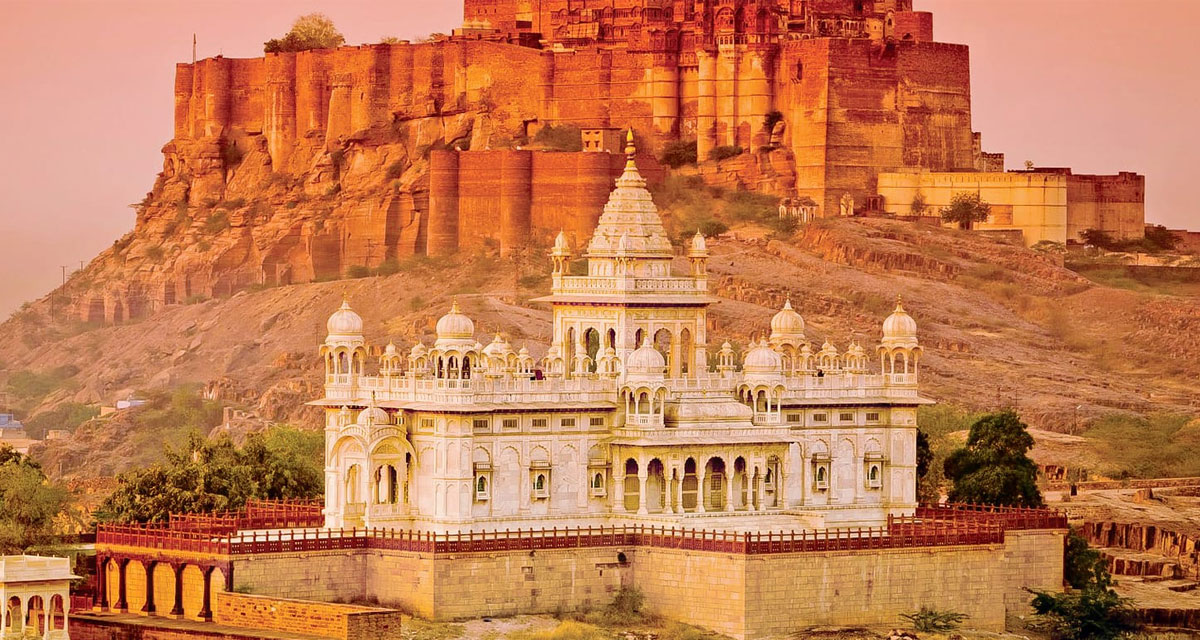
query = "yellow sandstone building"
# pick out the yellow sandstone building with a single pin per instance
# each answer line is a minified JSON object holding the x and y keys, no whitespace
{"x":1044,"y":204}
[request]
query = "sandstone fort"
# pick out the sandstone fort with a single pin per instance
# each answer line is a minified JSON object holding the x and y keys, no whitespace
{"x":301,"y":166}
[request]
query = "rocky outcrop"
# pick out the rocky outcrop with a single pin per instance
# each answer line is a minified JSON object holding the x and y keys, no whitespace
{"x":1177,"y":548}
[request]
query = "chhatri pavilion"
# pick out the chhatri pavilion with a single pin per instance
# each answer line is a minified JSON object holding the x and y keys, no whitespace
{"x":631,"y":414}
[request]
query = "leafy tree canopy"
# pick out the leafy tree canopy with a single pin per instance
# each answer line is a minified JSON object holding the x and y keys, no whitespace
{"x":214,"y":475}
{"x":312,"y":31}
{"x":993,"y":468}
{"x":966,"y":209}
{"x":1084,"y":567}
{"x":29,"y":504}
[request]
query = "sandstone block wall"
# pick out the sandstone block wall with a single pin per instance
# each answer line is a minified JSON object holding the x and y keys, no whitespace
{"x":329,"y":576}
{"x":341,"y":621}
{"x":542,"y":581}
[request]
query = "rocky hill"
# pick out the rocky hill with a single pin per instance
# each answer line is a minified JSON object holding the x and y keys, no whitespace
{"x":1002,"y":326}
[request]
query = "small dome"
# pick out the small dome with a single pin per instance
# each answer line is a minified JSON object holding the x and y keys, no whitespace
{"x":560,"y":244}
{"x":762,"y":359}
{"x":344,"y":322}
{"x":373,"y":415}
{"x":645,"y":360}
{"x":455,"y":325}
{"x":524,"y":352}
{"x":498,"y":347}
{"x":390,"y":349}
{"x":418,"y":350}
{"x":899,"y":325}
{"x":699,"y":246}
{"x":787,"y":323}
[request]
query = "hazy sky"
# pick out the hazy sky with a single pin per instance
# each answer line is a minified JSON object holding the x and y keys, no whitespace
{"x":87,"y":99}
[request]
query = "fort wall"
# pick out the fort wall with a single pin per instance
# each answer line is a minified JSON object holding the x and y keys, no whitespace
{"x":328,"y":620}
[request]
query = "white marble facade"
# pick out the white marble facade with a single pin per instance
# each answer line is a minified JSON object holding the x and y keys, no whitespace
{"x":630,"y":415}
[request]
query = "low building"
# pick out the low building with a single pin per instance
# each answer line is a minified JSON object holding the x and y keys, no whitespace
{"x":35,"y":591}
{"x":1045,"y":204}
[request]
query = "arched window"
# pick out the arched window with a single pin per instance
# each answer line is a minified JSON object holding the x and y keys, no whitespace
{"x":481,"y":485}
{"x":598,"y":481}
{"x":874,"y":473}
{"x":822,"y":479}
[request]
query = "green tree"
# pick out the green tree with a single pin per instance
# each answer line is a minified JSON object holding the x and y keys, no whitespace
{"x":29,"y":504}
{"x":679,"y":153}
{"x":1094,"y":613}
{"x":993,"y":468}
{"x":927,"y":486}
{"x":215,"y":475}
{"x":1084,"y":567}
{"x":918,"y":205}
{"x":1098,"y":238}
{"x":966,"y":209}
{"x":312,"y":31}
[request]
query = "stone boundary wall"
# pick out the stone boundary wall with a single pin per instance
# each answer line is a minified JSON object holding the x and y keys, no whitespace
{"x":746,"y":596}
{"x":345,"y":622}
{"x":93,"y":628}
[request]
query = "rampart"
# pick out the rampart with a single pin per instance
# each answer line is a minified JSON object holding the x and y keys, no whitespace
{"x":747,"y":585}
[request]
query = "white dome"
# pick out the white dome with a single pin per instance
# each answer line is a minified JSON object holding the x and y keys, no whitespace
{"x":373,"y":415}
{"x":645,"y":360}
{"x":787,"y":323}
{"x":560,"y":244}
{"x":498,"y":347}
{"x":455,"y":325}
{"x":699,"y":246}
{"x":418,"y":350}
{"x":762,"y":359}
{"x":899,"y":326}
{"x":344,"y":322}
{"x":390,"y":349}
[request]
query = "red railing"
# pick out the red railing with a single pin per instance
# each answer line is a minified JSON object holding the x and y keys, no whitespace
{"x":81,"y":603}
{"x":258,"y":514}
{"x":932,"y":526}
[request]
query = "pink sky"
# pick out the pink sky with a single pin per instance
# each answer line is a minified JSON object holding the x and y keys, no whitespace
{"x":1101,"y":86}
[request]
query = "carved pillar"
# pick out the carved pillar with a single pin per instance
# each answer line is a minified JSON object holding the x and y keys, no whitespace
{"x":642,"y":476}
{"x":619,"y":494}
{"x":668,"y":490}
{"x":728,"y":478}
{"x":206,"y":607}
{"x":177,"y":607}
{"x":122,"y":604}
{"x":758,"y":492}
{"x":148,"y":608}
{"x":701,"y":489}
{"x":101,"y":602}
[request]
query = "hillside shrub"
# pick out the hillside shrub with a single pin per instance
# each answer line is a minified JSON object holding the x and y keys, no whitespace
{"x":357,"y":271}
{"x":562,"y":137}
{"x":231,"y":155}
{"x":1154,"y":446}
{"x":216,"y":222}
{"x":725,"y":152}
{"x":155,"y":253}
{"x":994,"y":468}
{"x":1094,"y":613}
{"x":31,"y":385}
{"x":679,"y":153}
{"x":67,"y":416}
{"x":395,"y":170}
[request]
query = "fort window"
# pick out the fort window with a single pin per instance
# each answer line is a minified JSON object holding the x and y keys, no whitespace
{"x":540,"y":423}
{"x":794,"y":418}
{"x":539,"y":486}
{"x":822,"y":478}
{"x":820,"y":417}
{"x":567,"y":423}
{"x":846,"y":416}
{"x":872,"y":416}
{"x":596,"y":422}
{"x":481,"y":488}
{"x":874,"y":480}
{"x":509,"y":423}
{"x":427,"y":424}
{"x":481,"y":424}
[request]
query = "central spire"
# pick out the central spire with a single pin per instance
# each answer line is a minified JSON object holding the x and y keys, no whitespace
{"x":630,"y":214}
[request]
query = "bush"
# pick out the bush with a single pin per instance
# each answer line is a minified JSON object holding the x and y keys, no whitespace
{"x":1090,"y":614}
{"x":357,"y":271}
{"x":929,"y":620}
{"x":563,"y":137}
{"x":679,"y":153}
{"x":216,"y":222}
{"x":725,"y":152}
{"x":389,"y":267}
{"x":231,"y":155}
{"x":1084,"y":567}
{"x":395,"y":170}
{"x":29,"y":385}
{"x":966,"y":209}
{"x":68,"y":416}
{"x":155,"y":253}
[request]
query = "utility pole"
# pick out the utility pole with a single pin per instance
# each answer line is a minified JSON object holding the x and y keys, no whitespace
{"x":193,"y":48}
{"x":64,"y":274}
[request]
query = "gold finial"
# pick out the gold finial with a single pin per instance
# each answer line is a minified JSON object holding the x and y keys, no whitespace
{"x":630,"y":149}
{"x":454,"y":306}
{"x":899,"y":304}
